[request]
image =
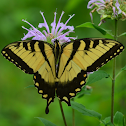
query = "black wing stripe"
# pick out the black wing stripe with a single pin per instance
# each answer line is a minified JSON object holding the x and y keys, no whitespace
{"x":25,"y":45}
{"x":96,"y":42}
{"x":41,"y":46}
{"x":75,"y":48}
{"x":87,"y":44}
{"x":32,"y":45}
{"x":18,"y":44}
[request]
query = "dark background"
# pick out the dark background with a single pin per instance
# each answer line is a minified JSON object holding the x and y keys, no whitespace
{"x":19,"y":105}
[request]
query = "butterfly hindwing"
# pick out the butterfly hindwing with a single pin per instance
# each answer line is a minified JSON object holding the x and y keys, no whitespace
{"x":79,"y":57}
{"x":47,"y":89}
{"x":45,"y":77}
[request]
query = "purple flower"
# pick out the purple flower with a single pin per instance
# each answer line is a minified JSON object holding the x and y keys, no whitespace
{"x":114,"y":9}
{"x":48,"y":35}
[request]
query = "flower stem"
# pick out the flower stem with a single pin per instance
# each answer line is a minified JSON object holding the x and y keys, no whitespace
{"x":113,"y":78}
{"x":62,"y":113}
{"x":73,"y":116}
{"x":113,"y":86}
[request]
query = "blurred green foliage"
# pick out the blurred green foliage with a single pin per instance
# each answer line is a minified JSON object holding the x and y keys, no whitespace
{"x":19,"y":105}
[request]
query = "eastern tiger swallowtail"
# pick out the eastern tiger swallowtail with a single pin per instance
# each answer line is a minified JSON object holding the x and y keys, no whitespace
{"x":74,"y":58}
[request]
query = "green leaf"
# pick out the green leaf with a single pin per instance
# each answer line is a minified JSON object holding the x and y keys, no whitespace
{"x":96,"y":76}
{"x":30,"y":86}
{"x":119,"y":119}
{"x":84,"y":111}
{"x":122,"y":34}
{"x":90,"y":25}
{"x":109,"y":124}
{"x":84,"y":91}
{"x":46,"y":122}
{"x":106,"y":122}
{"x":124,"y":68}
{"x":105,"y":32}
{"x":105,"y":16}
{"x":109,"y":33}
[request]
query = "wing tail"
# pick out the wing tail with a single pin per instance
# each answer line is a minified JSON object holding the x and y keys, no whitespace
{"x":46,"y":89}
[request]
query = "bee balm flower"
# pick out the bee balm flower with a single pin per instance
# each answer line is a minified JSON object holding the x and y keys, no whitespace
{"x":114,"y":9}
{"x":50,"y":35}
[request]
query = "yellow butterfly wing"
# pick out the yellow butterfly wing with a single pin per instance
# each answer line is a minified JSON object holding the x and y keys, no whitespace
{"x":35,"y":57}
{"x":79,"y":57}
{"x":76,"y":59}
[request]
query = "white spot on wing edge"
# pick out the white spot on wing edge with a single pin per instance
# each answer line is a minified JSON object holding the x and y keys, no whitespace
{"x":77,"y":89}
{"x":45,"y":95}
{"x":82,"y":82}
{"x":37,"y":84}
{"x":72,"y":94}
{"x":50,"y":99}
{"x":40,"y":91}
{"x":3,"y":52}
{"x":65,"y":98}
{"x":121,"y":47}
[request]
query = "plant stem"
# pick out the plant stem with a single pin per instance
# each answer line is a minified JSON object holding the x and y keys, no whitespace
{"x":113,"y":78}
{"x":62,"y":113}
{"x":73,"y":116}
{"x":113,"y":86}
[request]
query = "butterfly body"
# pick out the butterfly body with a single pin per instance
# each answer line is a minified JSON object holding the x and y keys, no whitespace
{"x":61,"y":68}
{"x":57,"y":50}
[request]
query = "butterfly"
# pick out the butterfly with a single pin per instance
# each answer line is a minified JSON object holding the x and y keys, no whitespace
{"x":61,"y":69}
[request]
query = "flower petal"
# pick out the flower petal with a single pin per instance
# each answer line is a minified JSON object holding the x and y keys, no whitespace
{"x":63,"y":27}
{"x":53,"y":24}
{"x":117,"y":5}
{"x":59,"y":24}
{"x":89,"y":6}
{"x":44,"y":24}
{"x":31,"y":33}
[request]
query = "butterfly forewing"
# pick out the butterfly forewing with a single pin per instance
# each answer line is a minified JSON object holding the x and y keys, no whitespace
{"x":100,"y":51}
